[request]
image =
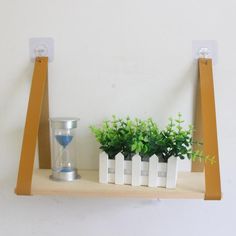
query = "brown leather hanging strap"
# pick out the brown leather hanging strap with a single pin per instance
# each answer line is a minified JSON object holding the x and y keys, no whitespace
{"x":36,"y":123}
{"x":209,"y":130}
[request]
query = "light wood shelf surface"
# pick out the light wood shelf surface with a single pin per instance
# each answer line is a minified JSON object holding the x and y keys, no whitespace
{"x":190,"y":185}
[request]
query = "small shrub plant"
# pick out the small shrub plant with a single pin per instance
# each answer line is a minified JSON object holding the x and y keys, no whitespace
{"x":144,"y":137}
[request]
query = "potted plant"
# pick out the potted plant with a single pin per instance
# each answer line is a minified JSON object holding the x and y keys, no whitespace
{"x":137,"y":152}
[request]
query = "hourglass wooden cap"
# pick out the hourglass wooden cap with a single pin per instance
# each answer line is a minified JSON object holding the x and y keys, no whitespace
{"x":63,"y":122}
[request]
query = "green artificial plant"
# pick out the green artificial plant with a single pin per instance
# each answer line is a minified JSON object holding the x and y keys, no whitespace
{"x":144,"y":137}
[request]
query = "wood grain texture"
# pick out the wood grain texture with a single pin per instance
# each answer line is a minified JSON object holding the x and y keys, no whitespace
{"x":208,"y":114}
{"x":33,"y":116}
{"x":189,"y":186}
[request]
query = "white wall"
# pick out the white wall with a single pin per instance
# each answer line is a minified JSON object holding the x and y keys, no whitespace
{"x":114,"y":57}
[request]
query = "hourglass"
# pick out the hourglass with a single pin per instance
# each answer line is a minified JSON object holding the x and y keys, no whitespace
{"x":63,"y":139}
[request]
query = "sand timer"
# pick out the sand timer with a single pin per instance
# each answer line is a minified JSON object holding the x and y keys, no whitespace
{"x":63,"y":140}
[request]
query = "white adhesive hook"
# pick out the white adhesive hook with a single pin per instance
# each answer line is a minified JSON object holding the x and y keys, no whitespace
{"x":205,"y":49}
{"x":41,"y":47}
{"x":41,"y":50}
{"x":204,"y":53}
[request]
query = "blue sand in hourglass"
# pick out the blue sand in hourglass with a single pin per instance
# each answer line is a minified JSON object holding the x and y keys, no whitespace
{"x":64,"y":140}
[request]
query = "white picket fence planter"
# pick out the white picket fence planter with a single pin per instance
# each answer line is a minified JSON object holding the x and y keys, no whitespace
{"x":137,"y":172}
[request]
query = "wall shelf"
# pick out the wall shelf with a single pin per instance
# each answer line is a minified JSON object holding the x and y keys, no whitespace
{"x":190,"y":185}
{"x":202,"y":183}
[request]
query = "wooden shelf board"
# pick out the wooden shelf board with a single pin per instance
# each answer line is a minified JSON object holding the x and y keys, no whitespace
{"x":189,"y":186}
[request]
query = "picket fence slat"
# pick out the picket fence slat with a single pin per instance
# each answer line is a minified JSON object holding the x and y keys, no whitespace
{"x":153,"y":173}
{"x":137,"y":172}
{"x":103,"y":168}
{"x":171,"y":172}
{"x":119,"y":169}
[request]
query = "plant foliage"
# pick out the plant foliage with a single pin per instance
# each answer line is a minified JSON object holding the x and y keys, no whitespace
{"x":144,"y":137}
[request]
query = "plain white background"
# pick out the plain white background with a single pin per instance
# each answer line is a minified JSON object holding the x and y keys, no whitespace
{"x":126,"y":57}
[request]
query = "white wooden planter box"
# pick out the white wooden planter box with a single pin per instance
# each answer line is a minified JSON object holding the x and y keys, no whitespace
{"x":137,"y":172}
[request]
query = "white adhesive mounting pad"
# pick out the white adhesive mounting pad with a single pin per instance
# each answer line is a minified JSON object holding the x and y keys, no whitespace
{"x":43,"y":47}
{"x":210,"y":47}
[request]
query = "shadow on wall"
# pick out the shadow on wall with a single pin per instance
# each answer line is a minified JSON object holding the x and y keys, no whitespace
{"x":14,"y":107}
{"x":186,"y":82}
{"x":14,"y":137}
{"x":88,"y":150}
{"x":18,"y":85}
